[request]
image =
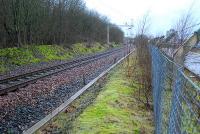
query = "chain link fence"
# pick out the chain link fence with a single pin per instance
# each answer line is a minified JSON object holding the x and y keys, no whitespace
{"x":176,"y":98}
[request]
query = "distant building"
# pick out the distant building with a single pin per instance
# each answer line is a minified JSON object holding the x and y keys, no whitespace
{"x":172,"y":36}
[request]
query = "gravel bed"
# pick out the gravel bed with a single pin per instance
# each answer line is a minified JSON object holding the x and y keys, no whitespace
{"x":35,"y":66}
{"x":75,"y":109}
{"x":21,"y":109}
{"x":31,"y":67}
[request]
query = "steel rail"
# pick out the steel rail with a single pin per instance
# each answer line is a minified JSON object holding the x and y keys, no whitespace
{"x":67,"y":102}
{"x":12,"y":83}
{"x":49,"y":68}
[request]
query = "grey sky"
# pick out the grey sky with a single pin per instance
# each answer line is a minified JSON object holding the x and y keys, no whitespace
{"x":163,"y":13}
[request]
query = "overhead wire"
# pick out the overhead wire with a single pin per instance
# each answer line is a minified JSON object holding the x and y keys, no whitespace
{"x":111,"y":8}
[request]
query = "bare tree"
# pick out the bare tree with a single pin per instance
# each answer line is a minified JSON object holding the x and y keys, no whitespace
{"x":182,"y":26}
{"x":143,"y":24}
{"x":181,"y":30}
{"x":143,"y":61}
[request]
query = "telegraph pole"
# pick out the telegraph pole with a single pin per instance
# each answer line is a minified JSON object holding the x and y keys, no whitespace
{"x":108,"y":34}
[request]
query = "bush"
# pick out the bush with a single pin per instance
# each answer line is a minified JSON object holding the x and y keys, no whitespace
{"x":144,"y":75}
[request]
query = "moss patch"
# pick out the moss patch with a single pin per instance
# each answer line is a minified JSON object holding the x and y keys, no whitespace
{"x":81,"y":48}
{"x":13,"y":57}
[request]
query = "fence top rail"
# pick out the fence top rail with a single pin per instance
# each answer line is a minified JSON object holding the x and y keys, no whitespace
{"x":179,"y":68}
{"x":191,"y":82}
{"x":166,"y":57}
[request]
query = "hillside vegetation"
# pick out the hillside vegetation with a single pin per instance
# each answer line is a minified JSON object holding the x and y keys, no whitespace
{"x":52,"y":22}
{"x":26,"y":24}
{"x":14,"y":57}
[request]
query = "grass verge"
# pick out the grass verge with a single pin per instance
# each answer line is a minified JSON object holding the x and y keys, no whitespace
{"x":116,"y":110}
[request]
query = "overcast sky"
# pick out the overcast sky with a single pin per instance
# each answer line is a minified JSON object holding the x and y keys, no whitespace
{"x":163,"y":13}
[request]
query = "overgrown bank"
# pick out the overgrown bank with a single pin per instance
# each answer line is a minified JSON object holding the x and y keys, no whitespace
{"x":52,"y":22}
{"x":11,"y":58}
{"x":115,"y":110}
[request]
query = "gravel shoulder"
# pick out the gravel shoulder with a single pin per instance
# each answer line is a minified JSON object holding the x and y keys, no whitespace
{"x":21,"y":109}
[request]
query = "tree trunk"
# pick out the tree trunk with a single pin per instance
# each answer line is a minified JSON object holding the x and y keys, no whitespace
{"x":18,"y":39}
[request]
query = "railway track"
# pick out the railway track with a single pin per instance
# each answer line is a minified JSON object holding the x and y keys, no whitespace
{"x":13,"y":83}
{"x":64,"y":105}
